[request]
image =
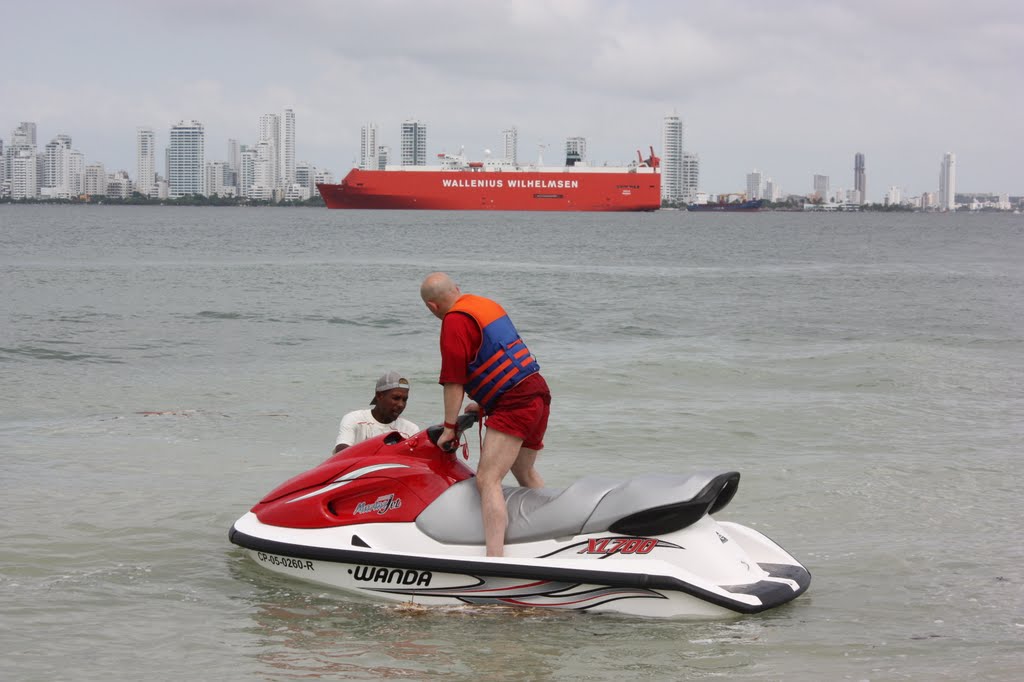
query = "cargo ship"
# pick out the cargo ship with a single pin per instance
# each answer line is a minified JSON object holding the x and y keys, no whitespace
{"x":499,"y":185}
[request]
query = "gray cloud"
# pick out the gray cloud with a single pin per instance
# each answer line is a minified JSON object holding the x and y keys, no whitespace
{"x":792,"y":88}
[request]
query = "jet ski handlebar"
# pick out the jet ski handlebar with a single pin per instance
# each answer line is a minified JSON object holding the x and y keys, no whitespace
{"x":461,"y":424}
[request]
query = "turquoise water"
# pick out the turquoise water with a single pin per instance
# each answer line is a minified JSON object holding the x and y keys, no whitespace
{"x":163,"y":368}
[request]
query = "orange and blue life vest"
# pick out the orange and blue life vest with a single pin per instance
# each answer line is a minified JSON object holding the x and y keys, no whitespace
{"x":503,"y":359}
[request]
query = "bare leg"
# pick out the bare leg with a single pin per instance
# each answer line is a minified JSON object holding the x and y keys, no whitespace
{"x":499,"y":453}
{"x":524,"y":470}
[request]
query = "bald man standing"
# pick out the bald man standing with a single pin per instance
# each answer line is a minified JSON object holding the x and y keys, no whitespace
{"x":483,"y":355}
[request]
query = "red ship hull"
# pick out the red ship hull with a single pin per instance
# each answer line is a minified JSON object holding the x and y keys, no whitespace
{"x":462,"y":190}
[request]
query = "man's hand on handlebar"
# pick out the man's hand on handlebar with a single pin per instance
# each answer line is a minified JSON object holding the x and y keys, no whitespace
{"x":447,"y":440}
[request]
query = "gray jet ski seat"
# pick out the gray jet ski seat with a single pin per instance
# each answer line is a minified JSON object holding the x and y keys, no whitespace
{"x":650,"y":504}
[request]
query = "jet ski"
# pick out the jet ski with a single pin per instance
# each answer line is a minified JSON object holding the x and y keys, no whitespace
{"x":397,"y":518}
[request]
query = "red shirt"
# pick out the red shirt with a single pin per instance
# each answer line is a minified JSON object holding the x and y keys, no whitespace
{"x":460,"y":342}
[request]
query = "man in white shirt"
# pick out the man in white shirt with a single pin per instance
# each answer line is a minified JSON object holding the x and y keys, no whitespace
{"x":389,"y":401}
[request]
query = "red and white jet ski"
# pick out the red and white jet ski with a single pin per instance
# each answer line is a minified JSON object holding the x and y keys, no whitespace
{"x":399,"y":519}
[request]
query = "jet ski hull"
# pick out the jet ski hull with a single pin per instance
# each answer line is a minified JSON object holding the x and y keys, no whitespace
{"x":708,"y":570}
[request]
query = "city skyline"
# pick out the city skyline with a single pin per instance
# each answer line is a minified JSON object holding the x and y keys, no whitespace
{"x":931,"y":79}
{"x":267,"y":171}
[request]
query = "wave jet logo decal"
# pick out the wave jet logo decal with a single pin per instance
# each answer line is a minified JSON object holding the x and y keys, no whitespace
{"x":382,"y":505}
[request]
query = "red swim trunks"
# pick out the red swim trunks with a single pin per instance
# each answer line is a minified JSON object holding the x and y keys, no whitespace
{"x":523,"y":412}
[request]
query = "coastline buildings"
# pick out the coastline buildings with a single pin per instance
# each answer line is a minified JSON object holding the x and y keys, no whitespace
{"x":186,"y":159}
{"x":860,"y":182}
{"x":414,"y":143}
{"x":947,"y":182}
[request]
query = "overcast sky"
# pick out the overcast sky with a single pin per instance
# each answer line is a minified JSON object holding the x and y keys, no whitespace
{"x":789,"y":87}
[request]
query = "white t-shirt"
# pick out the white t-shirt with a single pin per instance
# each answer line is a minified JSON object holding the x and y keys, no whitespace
{"x":360,"y":425}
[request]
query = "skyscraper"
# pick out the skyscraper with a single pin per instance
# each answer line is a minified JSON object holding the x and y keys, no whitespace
{"x":76,"y":168}
{"x":821,"y":187}
{"x":511,"y":139}
{"x":368,"y":147}
{"x":246,"y":170}
{"x":414,"y":143}
{"x":754,"y":190}
{"x":947,"y":182}
{"x":186,"y":159}
{"x":575,"y":150}
{"x":28,"y":128}
{"x":94,"y":182}
{"x":234,"y":154}
{"x":145,"y":161}
{"x":690,"y":177}
{"x":288,"y":152}
{"x":672,"y":159}
{"x":57,"y":168}
{"x":270,"y":132}
{"x":860,"y":183}
{"x":23,"y":174}
{"x":23,"y":139}
{"x":263,"y":177}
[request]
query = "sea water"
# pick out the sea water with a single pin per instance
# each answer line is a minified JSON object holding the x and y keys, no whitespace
{"x":163,"y":368}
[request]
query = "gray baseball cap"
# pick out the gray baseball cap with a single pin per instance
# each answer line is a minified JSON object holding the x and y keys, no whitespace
{"x":388,"y":381}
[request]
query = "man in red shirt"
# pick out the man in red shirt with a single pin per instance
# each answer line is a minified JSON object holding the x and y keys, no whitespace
{"x":483,"y":355}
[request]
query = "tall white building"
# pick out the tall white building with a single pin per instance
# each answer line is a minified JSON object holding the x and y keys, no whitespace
{"x":95,"y":180}
{"x":414,"y":143}
{"x":23,"y":174}
{"x":772,"y":191}
{"x":234,"y":154}
{"x":860,"y":179}
{"x":511,"y":140}
{"x":57,"y":168}
{"x":218,"y":179}
{"x":690,"y":177}
{"x":263,"y":177}
{"x":186,"y":159}
{"x":288,"y":149}
{"x":29,"y":129}
{"x":304,"y":176}
{"x":821,"y":187}
{"x":119,"y":185}
{"x":270,"y":132}
{"x":754,"y":190}
{"x":672,"y":159}
{"x":246,"y":170}
{"x":947,"y":183}
{"x":145,"y":160}
{"x":76,"y":172}
{"x":894,"y":197}
{"x":368,"y":159}
{"x":383,"y":156}
{"x":575,"y":150}
{"x":324,"y":177}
